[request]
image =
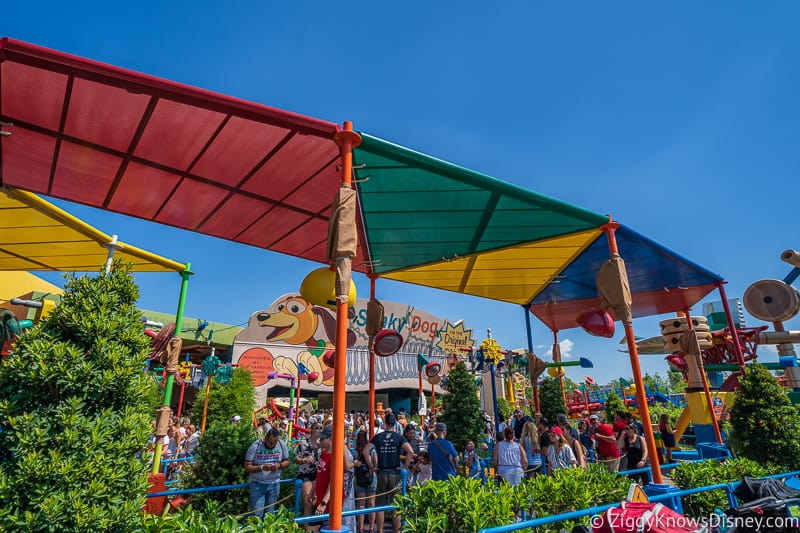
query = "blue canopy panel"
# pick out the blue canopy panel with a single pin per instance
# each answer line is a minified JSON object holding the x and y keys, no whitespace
{"x":661,"y":281}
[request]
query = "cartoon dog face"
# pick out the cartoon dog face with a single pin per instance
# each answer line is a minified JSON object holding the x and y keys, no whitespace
{"x":293,"y":321}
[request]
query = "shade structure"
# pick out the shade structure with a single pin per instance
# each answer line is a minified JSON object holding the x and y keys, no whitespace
{"x":162,"y":151}
{"x":15,"y":283}
{"x":37,"y":235}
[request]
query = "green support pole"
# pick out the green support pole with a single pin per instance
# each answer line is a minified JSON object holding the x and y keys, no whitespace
{"x":170,"y":378}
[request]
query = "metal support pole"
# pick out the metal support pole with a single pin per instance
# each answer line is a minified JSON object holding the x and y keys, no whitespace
{"x":534,"y":381}
{"x":347,"y":139}
{"x":633,"y":352}
{"x":371,"y":424}
{"x":171,"y":379}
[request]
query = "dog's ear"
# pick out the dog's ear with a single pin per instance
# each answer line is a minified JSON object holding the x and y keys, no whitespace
{"x":329,"y":323}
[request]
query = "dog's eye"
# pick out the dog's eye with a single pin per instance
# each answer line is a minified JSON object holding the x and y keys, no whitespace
{"x":296,"y":308}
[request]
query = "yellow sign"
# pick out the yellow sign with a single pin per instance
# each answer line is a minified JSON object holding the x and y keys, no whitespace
{"x":453,"y":337}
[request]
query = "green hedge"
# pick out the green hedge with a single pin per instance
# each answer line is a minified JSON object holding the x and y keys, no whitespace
{"x":701,"y":474}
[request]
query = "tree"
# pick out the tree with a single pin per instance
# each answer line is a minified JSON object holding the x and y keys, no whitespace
{"x":76,"y":410}
{"x":614,"y":404}
{"x":462,"y":408}
{"x":765,"y":424}
{"x":237,"y":397}
{"x":551,"y":401}
{"x":677,"y":383}
{"x":655,"y":383}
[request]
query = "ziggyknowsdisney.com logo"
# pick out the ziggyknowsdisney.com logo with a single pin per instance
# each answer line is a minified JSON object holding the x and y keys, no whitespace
{"x":714,"y":522}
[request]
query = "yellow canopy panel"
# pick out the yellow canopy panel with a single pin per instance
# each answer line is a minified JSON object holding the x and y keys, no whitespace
{"x":37,"y":235}
{"x":515,"y":274}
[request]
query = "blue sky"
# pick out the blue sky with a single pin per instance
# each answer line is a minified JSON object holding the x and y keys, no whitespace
{"x":681,"y":119}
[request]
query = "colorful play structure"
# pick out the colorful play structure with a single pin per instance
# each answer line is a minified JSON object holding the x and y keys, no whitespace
{"x":593,"y":399}
{"x":316,"y":190}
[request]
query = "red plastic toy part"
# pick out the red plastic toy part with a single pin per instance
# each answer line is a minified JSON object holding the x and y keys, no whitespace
{"x":596,"y":322}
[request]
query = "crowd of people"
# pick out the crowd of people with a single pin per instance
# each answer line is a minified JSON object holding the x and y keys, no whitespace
{"x":372,"y":467}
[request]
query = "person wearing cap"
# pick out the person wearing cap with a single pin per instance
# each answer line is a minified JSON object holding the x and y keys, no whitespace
{"x":322,"y":488}
{"x":443,"y":454}
{"x":389,"y":446}
{"x":559,"y":453}
{"x":566,"y":427}
{"x":607,"y":450}
{"x":264,"y":460}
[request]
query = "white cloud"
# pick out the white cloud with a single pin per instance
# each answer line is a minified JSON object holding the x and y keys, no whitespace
{"x":566,"y":346}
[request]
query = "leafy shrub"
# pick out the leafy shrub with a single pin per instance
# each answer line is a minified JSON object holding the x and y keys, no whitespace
{"x":237,"y":397}
{"x":672,"y":411}
{"x":764,"y":423}
{"x":212,"y":520}
{"x":464,"y":505}
{"x":75,"y":412}
{"x":701,"y":474}
{"x":219,"y":460}
{"x":462,"y":408}
{"x":572,"y":489}
{"x":460,"y":504}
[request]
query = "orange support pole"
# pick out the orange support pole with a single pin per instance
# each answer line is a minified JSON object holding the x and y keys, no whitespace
{"x":347,"y":139}
{"x":371,"y":423}
{"x":641,"y":397}
{"x":706,"y":390}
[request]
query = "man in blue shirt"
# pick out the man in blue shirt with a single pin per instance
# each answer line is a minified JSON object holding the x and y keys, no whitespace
{"x":443,"y":454}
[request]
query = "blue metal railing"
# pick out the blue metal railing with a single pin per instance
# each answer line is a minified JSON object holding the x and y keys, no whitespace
{"x":728,"y":487}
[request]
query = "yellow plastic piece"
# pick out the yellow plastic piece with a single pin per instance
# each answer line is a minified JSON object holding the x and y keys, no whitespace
{"x":319,"y":288}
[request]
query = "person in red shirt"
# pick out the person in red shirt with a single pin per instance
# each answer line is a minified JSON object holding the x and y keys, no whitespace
{"x":620,"y":422}
{"x":322,"y":489}
{"x":607,"y":451}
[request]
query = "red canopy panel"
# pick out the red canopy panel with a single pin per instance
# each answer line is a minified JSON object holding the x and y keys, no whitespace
{"x":142,"y":146}
{"x":559,"y":316}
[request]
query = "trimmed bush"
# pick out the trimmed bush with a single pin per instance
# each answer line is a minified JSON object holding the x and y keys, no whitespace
{"x":701,"y":474}
{"x":76,"y":411}
{"x":192,"y":520}
{"x":551,"y":400}
{"x":765,"y":425}
{"x":464,"y":505}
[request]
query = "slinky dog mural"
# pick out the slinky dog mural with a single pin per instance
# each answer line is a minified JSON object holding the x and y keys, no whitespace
{"x":291,"y":332}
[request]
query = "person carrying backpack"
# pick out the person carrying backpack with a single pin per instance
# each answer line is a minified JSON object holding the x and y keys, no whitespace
{"x":389,"y":446}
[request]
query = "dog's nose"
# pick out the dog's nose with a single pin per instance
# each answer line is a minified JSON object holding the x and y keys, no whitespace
{"x":262,"y":316}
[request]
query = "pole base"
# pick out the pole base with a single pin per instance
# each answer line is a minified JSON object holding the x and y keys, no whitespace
{"x":656,"y":489}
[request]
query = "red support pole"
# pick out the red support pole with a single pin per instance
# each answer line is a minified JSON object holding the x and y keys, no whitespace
{"x":180,"y":399}
{"x":560,"y":369}
{"x":371,"y":424}
{"x":347,"y":139}
{"x":737,"y":348}
{"x":641,"y":397}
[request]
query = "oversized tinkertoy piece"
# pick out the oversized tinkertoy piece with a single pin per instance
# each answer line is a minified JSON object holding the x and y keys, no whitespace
{"x":597,"y":322}
{"x":160,"y":341}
